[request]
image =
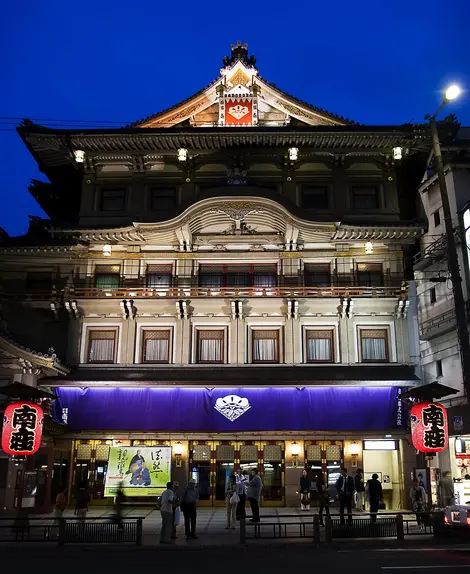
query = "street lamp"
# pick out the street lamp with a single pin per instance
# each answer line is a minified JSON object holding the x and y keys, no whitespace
{"x":450,"y":94}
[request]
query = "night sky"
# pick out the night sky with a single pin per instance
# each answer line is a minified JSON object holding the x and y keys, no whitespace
{"x":377,"y":62}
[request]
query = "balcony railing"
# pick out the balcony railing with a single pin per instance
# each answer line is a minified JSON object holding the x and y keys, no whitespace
{"x":431,"y":253}
{"x":439,"y":324}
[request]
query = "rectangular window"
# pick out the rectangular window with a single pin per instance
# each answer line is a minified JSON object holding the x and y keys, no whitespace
{"x":265,"y":346}
{"x":437,"y":218}
{"x":374,"y":345}
{"x":365,"y":196}
{"x":369,"y":275}
{"x":438,"y":368}
{"x":210,"y":346}
{"x":101,"y":346}
{"x":113,"y":199}
{"x":317,"y":274}
{"x":432,"y":295}
{"x":162,"y":199}
{"x":315,"y":197}
{"x":261,"y":276}
{"x":159,"y":275}
{"x":107,"y":276}
{"x":320,"y":346}
{"x":156,"y":346}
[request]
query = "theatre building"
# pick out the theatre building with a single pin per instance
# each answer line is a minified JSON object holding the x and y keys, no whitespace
{"x":227,"y":278}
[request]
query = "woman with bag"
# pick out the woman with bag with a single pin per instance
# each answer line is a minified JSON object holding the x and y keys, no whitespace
{"x":419,"y":500}
{"x":323,"y":497}
{"x":231,"y":500}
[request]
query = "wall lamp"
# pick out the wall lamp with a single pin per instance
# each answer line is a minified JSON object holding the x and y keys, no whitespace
{"x":295,"y":451}
{"x":178,"y":450}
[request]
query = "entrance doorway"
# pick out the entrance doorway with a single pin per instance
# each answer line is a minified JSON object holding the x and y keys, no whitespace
{"x":212,"y":462}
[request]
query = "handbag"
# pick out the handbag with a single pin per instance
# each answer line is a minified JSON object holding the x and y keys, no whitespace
{"x":382,"y":506}
{"x":234,"y":499}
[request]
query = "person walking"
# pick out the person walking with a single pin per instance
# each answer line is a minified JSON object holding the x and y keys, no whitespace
{"x":118,"y":503}
{"x":166,"y":510}
{"x":345,"y":488}
{"x":242,"y":478}
{"x":419,"y":500}
{"x":375,"y":494}
{"x":231,"y":500}
{"x":447,"y":490}
{"x":83,"y":500}
{"x":305,"y":484}
{"x":360,"y":490}
{"x":60,"y":505}
{"x":323,"y":497}
{"x":189,"y":508}
{"x":254,"y":494}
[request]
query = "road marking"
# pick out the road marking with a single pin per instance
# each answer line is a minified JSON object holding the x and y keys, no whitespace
{"x":425,"y":567}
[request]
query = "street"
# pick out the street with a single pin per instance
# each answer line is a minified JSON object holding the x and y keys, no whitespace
{"x":255,"y":558}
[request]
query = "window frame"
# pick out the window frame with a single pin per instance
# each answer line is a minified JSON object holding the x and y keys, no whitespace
{"x":327,"y":270}
{"x":387,"y":344}
{"x":332,"y":358}
{"x":437,"y":215}
{"x":305,"y":192}
{"x":439,"y":369}
{"x":97,"y":272}
{"x":277,"y":361}
{"x":144,"y":330}
{"x":378,"y":269}
{"x":166,"y":271}
{"x":253,"y":271}
{"x":205,"y":329}
{"x":105,"y":329}
{"x":432,"y":296}
{"x":355,"y":187}
{"x":102,"y":198}
{"x":152,"y":196}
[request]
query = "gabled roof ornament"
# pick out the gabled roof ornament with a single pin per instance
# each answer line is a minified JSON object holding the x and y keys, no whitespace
{"x":239,"y":53}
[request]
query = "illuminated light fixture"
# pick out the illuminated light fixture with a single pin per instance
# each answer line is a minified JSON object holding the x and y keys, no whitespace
{"x":107,"y":250}
{"x":182,"y":154}
{"x":178,"y":450}
{"x":458,"y":446}
{"x":79,"y":155}
{"x":293,"y":153}
{"x":452,"y":92}
{"x":295,"y":451}
{"x":369,"y":248}
{"x":397,"y":153}
{"x":354,"y":449}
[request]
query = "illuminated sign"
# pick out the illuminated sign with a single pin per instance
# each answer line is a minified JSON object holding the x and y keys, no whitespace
{"x":22,"y":428}
{"x":429,"y":429}
{"x":380,"y":445}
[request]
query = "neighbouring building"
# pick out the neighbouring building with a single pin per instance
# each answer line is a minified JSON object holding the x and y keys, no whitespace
{"x":226,"y":277}
{"x":440,"y":353}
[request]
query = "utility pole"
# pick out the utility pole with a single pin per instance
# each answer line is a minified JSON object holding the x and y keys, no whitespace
{"x":454,"y":268}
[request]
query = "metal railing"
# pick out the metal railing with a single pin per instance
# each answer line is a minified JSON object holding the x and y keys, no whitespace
{"x":437,"y":321}
{"x":383,"y":525}
{"x":431,"y":253}
{"x":72,"y":530}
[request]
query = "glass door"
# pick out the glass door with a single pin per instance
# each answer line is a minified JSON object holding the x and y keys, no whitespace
{"x":273,"y":473}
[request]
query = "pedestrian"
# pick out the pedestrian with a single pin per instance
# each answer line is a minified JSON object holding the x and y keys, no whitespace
{"x":419,"y":499}
{"x":242,"y":478}
{"x":360,"y":490}
{"x":166,"y":510}
{"x":447,"y":490}
{"x":305,"y":484}
{"x":323,"y":497}
{"x":231,"y":500}
{"x":60,"y":505}
{"x":345,"y":488}
{"x":176,"y":509}
{"x":189,"y":502}
{"x":254,"y":494}
{"x":83,"y":500}
{"x":375,"y":494}
{"x":118,"y":502}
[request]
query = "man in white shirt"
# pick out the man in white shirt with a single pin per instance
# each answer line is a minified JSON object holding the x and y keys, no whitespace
{"x":166,"y":509}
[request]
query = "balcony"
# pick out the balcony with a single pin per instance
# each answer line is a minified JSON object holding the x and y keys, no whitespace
{"x":390,"y":286}
{"x":432,"y":253}
{"x":438,"y":325}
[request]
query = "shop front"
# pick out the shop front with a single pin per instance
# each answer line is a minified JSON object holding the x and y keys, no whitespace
{"x":213,"y":433}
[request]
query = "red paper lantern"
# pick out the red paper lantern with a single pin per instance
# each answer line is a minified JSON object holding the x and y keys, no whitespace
{"x":22,"y":428}
{"x":429,"y":430}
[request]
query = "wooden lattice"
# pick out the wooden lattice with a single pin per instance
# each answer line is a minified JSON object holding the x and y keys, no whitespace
{"x":333,"y":452}
{"x":318,"y":334}
{"x":95,"y":334}
{"x":102,"y":452}
{"x":84,"y":452}
{"x":272,"y":452}
{"x":248,"y":453}
{"x":314,"y":452}
{"x":369,"y":267}
{"x":156,"y":335}
{"x":159,"y":269}
{"x":225,"y":453}
{"x":373,"y":333}
{"x":261,"y":334}
{"x":201,"y":452}
{"x":107,"y":269}
{"x":211,"y":335}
